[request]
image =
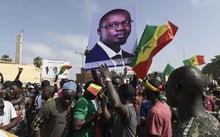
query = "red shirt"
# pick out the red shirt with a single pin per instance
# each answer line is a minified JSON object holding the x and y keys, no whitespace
{"x":209,"y":103}
{"x":159,"y":120}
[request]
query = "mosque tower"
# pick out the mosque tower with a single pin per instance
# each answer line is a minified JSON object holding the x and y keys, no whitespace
{"x":18,"y":51}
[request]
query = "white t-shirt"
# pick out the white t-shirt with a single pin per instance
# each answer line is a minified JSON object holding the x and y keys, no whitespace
{"x":9,"y":113}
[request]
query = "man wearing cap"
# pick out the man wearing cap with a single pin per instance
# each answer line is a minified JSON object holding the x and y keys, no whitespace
{"x":52,"y":120}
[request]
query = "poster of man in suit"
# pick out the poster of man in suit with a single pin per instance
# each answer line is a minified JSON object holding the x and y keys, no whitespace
{"x":112,"y":38}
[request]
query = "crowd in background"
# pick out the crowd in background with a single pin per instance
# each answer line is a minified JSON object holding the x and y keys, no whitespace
{"x":122,"y":107}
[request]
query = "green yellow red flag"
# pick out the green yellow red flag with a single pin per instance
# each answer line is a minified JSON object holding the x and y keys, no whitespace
{"x":194,"y":61}
{"x":63,"y":68}
{"x":153,"y":39}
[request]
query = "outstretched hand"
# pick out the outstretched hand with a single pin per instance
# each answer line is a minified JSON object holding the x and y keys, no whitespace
{"x":104,"y":71}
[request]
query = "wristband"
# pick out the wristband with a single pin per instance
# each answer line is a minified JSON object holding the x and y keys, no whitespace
{"x":107,"y":79}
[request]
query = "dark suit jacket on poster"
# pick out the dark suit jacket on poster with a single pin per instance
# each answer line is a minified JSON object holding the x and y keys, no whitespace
{"x":98,"y":54}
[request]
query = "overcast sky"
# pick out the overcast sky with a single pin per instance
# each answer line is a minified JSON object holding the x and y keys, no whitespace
{"x":55,"y":29}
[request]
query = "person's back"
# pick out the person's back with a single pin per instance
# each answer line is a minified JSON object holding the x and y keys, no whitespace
{"x":124,"y":126}
{"x":184,"y":91}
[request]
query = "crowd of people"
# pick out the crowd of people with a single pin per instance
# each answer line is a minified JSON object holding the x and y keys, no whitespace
{"x":110,"y":106}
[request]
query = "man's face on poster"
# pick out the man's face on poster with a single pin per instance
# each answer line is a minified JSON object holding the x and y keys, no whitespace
{"x":115,"y":29}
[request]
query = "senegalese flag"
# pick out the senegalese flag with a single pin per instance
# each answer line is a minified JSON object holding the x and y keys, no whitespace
{"x":94,"y":89}
{"x":153,"y":39}
{"x":168,"y":70}
{"x":194,"y":61}
{"x":63,"y":68}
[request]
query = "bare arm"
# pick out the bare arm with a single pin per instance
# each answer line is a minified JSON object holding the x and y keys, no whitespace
{"x":120,"y":108}
{"x":105,"y":112}
{"x":10,"y":125}
{"x":28,"y":102}
{"x":19,"y":73}
{"x":80,"y":123}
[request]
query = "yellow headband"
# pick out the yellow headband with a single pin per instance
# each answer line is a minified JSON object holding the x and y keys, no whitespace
{"x":151,"y":87}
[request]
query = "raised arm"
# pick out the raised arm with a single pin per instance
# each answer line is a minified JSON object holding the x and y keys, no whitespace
{"x":115,"y":99}
{"x":19,"y":73}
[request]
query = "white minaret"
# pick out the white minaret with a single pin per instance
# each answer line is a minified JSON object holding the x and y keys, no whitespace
{"x":18,"y":51}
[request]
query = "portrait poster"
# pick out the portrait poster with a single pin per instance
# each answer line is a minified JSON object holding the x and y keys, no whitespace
{"x":51,"y":68}
{"x":106,"y":28}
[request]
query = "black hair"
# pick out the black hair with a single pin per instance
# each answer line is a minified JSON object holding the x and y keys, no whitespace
{"x":127,"y":92}
{"x":188,"y":77}
{"x":112,"y":12}
{"x":7,"y":83}
{"x":45,"y":83}
{"x":18,"y":83}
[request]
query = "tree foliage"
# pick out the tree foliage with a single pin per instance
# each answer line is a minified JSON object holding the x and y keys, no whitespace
{"x":6,"y":58}
{"x":213,"y":69}
{"x":38,"y":61}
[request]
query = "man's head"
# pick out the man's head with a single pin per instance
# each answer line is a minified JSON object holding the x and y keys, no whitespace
{"x":45,"y":83}
{"x":126,"y":93}
{"x":184,"y":86}
{"x":31,"y":89}
{"x":47,"y":92}
{"x":153,"y":89}
{"x":16,"y":88}
{"x":68,"y":93}
{"x":115,"y":27}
